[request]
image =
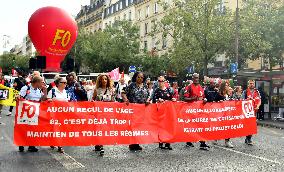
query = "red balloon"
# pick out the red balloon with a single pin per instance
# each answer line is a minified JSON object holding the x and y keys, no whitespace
{"x":53,"y":33}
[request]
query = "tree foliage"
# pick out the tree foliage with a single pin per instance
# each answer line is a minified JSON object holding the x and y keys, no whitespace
{"x":200,"y":31}
{"x":10,"y":61}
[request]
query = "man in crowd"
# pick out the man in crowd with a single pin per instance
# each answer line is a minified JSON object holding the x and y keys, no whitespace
{"x":194,"y":92}
{"x":251,"y":93}
{"x":211,"y":91}
{"x":36,"y":91}
{"x":74,"y":89}
{"x":19,"y":82}
{"x":118,"y":90}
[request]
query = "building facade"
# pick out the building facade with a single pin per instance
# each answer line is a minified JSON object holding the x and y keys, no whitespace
{"x":26,"y":48}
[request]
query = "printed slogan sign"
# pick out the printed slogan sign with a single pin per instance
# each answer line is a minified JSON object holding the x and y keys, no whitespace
{"x":4,"y":94}
{"x":8,"y":96}
{"x":109,"y":123}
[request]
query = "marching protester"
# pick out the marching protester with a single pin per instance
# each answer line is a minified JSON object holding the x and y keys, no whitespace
{"x":118,"y":89}
{"x":175,"y":90}
{"x":36,"y":91}
{"x":223,"y":96}
{"x":2,"y":82}
{"x":52,"y":84}
{"x":136,"y":92}
{"x":161,"y":94}
{"x":58,"y":93}
{"x":194,"y":92}
{"x":103,"y":92}
{"x":150,"y":88}
{"x":74,"y":89}
{"x":251,"y":93}
{"x":211,"y":92}
{"x":185,"y":84}
{"x":230,"y":92}
{"x":260,"y":113}
{"x":19,"y":82}
{"x":238,"y":93}
{"x":89,"y":87}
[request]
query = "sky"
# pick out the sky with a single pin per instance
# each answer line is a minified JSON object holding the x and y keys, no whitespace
{"x":15,"y":14}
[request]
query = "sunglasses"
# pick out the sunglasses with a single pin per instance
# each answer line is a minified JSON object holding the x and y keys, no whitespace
{"x":161,"y":80}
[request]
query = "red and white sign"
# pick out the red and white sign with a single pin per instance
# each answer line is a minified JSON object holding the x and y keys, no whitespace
{"x":109,"y":123}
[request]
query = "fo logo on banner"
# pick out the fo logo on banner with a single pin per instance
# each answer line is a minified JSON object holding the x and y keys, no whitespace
{"x":248,"y":109}
{"x":28,"y":113}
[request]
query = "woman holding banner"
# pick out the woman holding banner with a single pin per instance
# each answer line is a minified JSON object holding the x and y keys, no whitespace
{"x":37,"y":92}
{"x":224,"y":96}
{"x":58,"y":93}
{"x":103,"y":92}
{"x":136,"y":92}
{"x":160,"y":95}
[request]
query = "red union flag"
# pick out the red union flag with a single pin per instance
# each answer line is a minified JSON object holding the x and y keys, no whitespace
{"x":110,"y":123}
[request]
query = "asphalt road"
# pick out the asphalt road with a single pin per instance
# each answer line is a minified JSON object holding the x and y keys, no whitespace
{"x":267,"y":154}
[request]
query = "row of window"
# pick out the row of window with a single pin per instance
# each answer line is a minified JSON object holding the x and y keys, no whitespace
{"x":154,"y":44}
{"x":147,"y":11}
{"x":119,"y":6}
{"x":122,"y":4}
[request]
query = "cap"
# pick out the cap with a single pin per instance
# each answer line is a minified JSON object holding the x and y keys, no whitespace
{"x":195,"y":75}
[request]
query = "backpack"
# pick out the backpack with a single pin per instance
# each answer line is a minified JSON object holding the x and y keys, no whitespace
{"x":53,"y":93}
{"x":27,"y":92}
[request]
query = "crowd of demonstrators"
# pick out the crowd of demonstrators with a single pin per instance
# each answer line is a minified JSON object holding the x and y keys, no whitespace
{"x":103,"y":92}
{"x":140,"y":90}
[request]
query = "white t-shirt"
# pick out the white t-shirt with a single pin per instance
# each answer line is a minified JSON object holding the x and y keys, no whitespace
{"x":119,"y":89}
{"x":33,"y":94}
{"x":58,"y":96}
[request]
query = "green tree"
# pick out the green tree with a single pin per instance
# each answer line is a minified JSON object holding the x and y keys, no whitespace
{"x":102,"y":51}
{"x":200,"y":31}
{"x":9,"y":61}
{"x":122,"y":48}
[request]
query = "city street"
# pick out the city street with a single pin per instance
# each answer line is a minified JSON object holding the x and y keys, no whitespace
{"x":266,"y":155}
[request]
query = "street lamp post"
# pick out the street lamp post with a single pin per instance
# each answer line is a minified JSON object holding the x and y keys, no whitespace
{"x":237,"y":41}
{"x":237,"y":34}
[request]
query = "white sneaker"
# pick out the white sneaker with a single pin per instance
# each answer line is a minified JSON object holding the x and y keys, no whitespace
{"x":215,"y":142}
{"x":9,"y":114}
{"x":228,"y":144}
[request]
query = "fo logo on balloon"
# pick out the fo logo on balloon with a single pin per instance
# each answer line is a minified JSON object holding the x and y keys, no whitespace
{"x":53,"y":32}
{"x":248,"y":110}
{"x":28,"y":113}
{"x":63,"y":36}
